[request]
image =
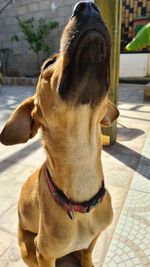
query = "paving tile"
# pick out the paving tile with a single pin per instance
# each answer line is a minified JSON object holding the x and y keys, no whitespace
{"x":18,"y":263}
{"x":101,"y":248}
{"x":14,"y":252}
{"x":141,"y":183}
{"x":4,"y":261}
{"x":116,"y":174}
{"x":147,"y":143}
{"x":146,"y":154}
{"x":33,"y":160}
{"x":6,"y":203}
{"x":20,"y":155}
{"x":6,"y":240}
{"x":16,"y":174}
{"x":11,"y":256}
{"x":137,"y":202}
{"x":129,"y":246}
{"x":132,"y":230}
{"x":11,"y":190}
{"x":10,"y":171}
{"x":9,"y":221}
{"x":23,"y":173}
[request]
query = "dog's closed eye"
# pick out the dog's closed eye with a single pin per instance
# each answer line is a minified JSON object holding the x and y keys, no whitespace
{"x":49,"y":61}
{"x":47,"y":67}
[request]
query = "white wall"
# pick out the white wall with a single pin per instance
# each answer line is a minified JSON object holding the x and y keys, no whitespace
{"x":133,"y":65}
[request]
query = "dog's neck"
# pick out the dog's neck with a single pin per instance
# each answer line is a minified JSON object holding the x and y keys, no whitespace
{"x":74,"y":153}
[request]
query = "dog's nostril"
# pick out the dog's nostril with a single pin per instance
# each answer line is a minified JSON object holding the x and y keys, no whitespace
{"x":85,"y":9}
{"x":80,"y":7}
{"x":95,"y":7}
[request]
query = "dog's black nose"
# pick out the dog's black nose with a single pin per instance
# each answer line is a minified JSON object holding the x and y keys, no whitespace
{"x":85,"y":9}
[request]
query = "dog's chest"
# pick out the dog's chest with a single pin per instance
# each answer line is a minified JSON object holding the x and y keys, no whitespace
{"x":86,"y":232}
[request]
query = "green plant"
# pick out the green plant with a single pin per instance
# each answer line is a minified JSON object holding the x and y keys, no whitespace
{"x":36,"y":36}
{"x":141,"y":40}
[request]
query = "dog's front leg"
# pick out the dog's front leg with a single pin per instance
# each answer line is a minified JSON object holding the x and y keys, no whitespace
{"x":86,"y":255}
{"x":43,"y":260}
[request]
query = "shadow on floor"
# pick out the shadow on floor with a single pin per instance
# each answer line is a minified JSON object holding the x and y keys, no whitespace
{"x":129,"y":157}
{"x":19,"y":155}
{"x":135,"y":108}
{"x":127,"y":134}
{"x":134,"y":118}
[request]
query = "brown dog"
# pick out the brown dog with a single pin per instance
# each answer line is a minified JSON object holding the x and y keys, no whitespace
{"x":64,"y":205}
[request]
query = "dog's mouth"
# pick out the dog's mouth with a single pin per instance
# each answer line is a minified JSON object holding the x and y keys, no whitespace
{"x":85,"y":48}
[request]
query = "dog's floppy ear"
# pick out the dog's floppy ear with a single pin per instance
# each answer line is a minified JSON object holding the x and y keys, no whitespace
{"x":21,"y":126}
{"x":112,"y":114}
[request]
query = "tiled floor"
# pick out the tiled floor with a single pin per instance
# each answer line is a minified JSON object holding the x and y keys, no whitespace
{"x":124,"y":169}
{"x":130,"y":245}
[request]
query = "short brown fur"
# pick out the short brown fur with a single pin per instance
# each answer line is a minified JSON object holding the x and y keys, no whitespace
{"x":71,"y":137}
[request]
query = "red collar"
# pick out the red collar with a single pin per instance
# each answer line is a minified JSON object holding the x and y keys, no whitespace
{"x":71,"y":206}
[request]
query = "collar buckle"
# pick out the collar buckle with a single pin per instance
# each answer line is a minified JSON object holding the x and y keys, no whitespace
{"x":71,"y":213}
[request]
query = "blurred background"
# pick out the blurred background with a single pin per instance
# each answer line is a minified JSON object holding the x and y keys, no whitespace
{"x":18,"y":60}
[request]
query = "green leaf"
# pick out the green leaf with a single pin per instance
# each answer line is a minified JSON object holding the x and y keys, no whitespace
{"x":141,"y":40}
{"x":36,"y":36}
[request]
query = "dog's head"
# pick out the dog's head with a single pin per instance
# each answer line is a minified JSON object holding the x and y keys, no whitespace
{"x":84,"y":58}
{"x":78,"y":76}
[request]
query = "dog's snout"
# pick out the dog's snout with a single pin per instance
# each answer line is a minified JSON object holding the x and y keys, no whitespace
{"x":85,"y":9}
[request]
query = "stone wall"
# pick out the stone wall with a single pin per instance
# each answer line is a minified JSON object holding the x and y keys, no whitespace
{"x":22,"y":61}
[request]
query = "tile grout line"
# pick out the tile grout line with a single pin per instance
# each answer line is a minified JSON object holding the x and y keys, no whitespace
{"x":3,"y":213}
{"x":130,"y":188}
